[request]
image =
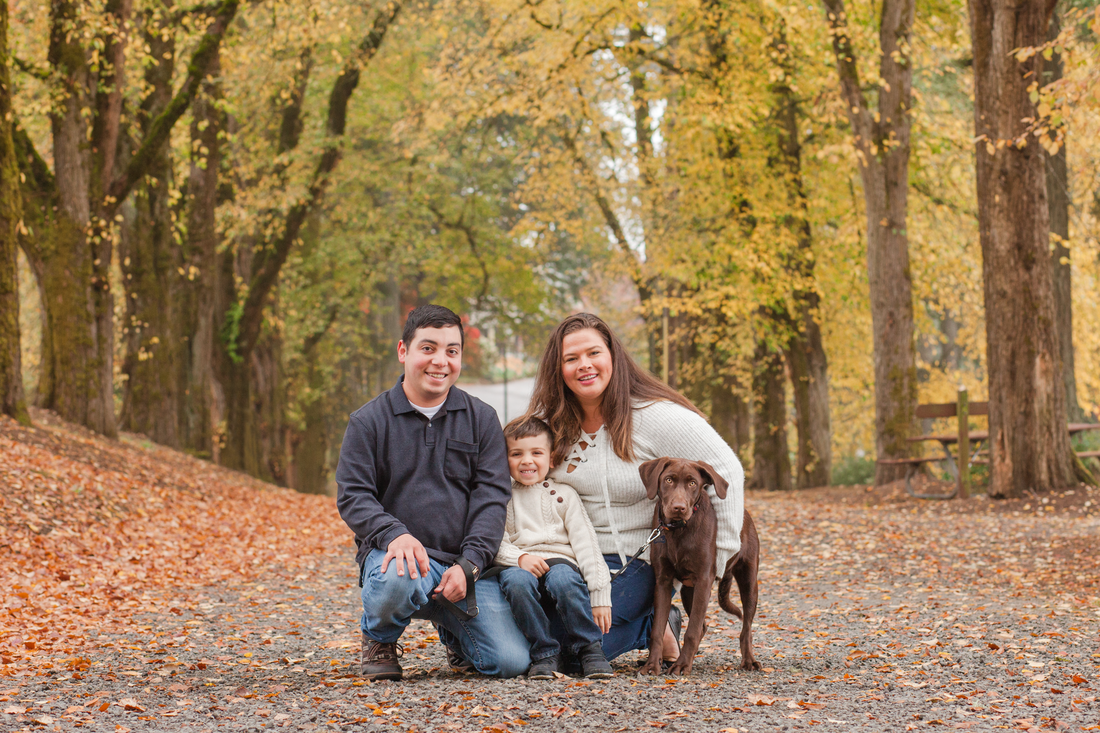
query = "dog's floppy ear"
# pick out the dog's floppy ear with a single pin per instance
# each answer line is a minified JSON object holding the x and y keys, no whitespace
{"x":651,"y":473}
{"x":720,"y":484}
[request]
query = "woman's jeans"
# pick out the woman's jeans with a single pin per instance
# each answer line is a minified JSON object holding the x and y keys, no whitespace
{"x":564,"y":588}
{"x":631,"y":607}
{"x":491,"y":640}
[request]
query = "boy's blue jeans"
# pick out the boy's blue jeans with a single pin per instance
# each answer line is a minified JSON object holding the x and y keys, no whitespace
{"x":491,"y":640}
{"x":566,"y":589}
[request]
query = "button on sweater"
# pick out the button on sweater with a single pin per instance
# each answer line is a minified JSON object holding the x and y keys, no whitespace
{"x":548,"y":520}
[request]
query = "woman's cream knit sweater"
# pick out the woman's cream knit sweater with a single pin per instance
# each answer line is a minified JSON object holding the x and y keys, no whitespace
{"x":612,"y":491}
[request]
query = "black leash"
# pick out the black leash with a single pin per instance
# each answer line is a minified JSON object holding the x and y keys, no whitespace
{"x":661,"y":527}
{"x":649,"y":541}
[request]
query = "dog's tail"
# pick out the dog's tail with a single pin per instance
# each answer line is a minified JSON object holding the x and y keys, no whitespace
{"x":724,"y":587}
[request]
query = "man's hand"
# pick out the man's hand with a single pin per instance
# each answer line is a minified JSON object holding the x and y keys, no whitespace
{"x":533,"y":564}
{"x":408,"y":552}
{"x":453,"y":584}
{"x":602,"y":616}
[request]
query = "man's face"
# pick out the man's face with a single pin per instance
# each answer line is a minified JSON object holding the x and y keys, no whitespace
{"x":432,"y":362}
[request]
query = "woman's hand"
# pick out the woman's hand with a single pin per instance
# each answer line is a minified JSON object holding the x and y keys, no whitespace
{"x":533,"y":564}
{"x":602,"y":616}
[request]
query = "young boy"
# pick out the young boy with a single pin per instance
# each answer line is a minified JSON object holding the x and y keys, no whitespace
{"x":550,"y":550}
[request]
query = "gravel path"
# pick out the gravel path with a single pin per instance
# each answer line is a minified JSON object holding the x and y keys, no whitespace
{"x":875,"y":615}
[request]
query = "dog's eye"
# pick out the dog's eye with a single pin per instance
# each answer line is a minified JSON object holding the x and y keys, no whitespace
{"x":691,"y":483}
{"x":668,"y":479}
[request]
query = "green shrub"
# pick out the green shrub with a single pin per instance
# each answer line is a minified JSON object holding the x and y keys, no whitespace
{"x":852,"y":470}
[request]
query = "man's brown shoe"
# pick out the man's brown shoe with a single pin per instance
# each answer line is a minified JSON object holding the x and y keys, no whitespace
{"x":379,"y":660}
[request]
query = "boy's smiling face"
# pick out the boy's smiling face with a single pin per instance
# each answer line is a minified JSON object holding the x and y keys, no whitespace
{"x":529,"y":458}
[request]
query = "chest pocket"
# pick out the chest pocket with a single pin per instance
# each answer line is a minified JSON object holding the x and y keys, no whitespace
{"x":460,"y":460}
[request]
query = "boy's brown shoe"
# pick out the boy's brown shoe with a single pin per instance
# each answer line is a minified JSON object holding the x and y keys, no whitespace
{"x":379,"y":660}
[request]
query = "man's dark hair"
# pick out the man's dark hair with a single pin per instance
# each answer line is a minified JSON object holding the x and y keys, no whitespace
{"x":527,"y":426}
{"x":430,"y":316}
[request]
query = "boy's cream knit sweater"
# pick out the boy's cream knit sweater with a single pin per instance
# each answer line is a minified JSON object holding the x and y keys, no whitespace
{"x":612,"y":491}
{"x":548,"y":520}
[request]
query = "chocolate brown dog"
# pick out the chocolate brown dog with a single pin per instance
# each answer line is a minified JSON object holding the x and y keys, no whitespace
{"x":689,"y":554}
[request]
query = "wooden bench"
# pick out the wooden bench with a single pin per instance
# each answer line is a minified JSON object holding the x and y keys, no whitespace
{"x":960,"y":467}
{"x":962,"y":410}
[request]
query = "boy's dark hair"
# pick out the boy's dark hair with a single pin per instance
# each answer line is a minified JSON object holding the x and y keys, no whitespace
{"x":430,"y":316}
{"x":527,"y":426}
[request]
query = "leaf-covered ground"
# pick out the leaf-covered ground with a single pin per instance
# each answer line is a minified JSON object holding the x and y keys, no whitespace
{"x":144,"y":590}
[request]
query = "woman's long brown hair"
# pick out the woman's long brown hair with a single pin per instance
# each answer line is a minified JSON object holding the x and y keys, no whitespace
{"x":558,"y":406}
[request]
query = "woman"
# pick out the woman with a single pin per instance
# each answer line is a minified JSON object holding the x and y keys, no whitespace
{"x":608,"y":416}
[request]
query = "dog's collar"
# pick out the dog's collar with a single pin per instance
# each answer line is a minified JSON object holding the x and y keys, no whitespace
{"x":679,"y":523}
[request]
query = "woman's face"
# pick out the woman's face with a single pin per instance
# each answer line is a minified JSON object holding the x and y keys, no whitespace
{"x":586,"y":365}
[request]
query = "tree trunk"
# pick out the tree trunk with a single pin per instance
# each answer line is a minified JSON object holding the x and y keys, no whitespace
{"x":1058,"y":200}
{"x":810,"y":383}
{"x":12,"y":400}
{"x":882,"y":144}
{"x":241,"y":450}
{"x":311,"y":450}
{"x":205,"y":297}
{"x":730,"y":415}
{"x":771,"y":463}
{"x":75,"y":283}
{"x":805,"y":351}
{"x":269,"y":406}
{"x":1029,"y":444}
{"x":151,"y":263}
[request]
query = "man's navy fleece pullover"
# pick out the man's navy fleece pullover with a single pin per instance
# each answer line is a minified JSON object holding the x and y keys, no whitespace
{"x":444,"y":481}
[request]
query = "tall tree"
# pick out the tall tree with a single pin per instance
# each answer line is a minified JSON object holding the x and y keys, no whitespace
{"x":1058,"y":200}
{"x":1029,"y":445}
{"x":881,"y":139}
{"x":73,"y":208}
{"x":771,"y":462}
{"x":205,"y":299}
{"x":12,"y":401}
{"x":805,"y":350}
{"x":150,"y":261}
{"x":243,"y":328}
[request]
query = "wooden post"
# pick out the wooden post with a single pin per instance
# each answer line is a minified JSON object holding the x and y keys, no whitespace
{"x":964,"y":443}
{"x":664,"y":345}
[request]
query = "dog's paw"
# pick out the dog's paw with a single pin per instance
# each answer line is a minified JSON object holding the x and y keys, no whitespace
{"x":751,"y":665}
{"x":651,"y":667}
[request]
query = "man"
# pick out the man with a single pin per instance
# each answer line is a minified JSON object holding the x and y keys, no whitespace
{"x":423,"y":483}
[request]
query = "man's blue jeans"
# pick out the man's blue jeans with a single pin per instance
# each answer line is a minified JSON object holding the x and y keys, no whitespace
{"x":491,"y":640}
{"x":566,"y":589}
